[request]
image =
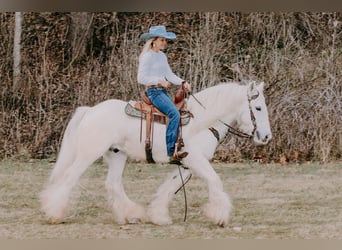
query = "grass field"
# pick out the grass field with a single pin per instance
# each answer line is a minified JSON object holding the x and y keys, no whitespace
{"x":270,"y":201}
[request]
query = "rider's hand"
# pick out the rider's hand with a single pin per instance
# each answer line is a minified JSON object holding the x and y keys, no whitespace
{"x":186,"y":86}
{"x":164,"y":84}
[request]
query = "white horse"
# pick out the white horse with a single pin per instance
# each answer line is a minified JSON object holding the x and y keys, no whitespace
{"x":105,"y":130}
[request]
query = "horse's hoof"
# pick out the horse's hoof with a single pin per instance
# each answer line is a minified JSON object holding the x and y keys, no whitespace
{"x":133,"y":220}
{"x":162,"y":222}
{"x":221,"y":224}
{"x":55,"y":221}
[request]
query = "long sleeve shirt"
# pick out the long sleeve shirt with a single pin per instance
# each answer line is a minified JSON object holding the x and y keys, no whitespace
{"x":154,"y":67}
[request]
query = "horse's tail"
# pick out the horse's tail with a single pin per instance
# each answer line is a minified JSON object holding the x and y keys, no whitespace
{"x":68,"y":147}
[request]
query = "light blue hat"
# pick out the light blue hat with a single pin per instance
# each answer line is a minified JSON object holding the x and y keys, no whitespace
{"x":158,"y":31}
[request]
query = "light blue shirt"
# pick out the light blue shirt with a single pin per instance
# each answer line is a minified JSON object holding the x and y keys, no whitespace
{"x":154,"y":67}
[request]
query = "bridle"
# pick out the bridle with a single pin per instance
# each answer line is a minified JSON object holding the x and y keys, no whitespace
{"x":231,"y":129}
{"x":239,"y":133}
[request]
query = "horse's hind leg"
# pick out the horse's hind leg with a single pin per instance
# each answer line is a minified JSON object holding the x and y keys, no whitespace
{"x":125,"y":210}
{"x":55,"y":197}
{"x":158,"y":210}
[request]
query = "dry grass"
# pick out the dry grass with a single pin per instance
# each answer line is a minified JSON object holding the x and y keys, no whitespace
{"x":271,"y":201}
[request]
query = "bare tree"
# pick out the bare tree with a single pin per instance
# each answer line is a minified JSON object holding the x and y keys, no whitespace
{"x":80,"y":32}
{"x":16,"y":50}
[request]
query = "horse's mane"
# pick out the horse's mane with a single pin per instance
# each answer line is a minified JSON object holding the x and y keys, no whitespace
{"x":213,"y":96}
{"x":215,"y":101}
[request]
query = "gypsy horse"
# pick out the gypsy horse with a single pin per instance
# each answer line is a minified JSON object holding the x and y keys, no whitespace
{"x":106,"y":130}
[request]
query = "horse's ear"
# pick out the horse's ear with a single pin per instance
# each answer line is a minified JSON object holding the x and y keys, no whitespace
{"x":253,"y":90}
{"x":261,"y":86}
{"x":250,"y":86}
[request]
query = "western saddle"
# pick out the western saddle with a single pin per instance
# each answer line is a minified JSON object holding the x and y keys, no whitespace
{"x":151,"y":114}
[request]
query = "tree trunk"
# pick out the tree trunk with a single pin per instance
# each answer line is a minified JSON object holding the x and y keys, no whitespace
{"x":16,"y":51}
{"x":80,"y":33}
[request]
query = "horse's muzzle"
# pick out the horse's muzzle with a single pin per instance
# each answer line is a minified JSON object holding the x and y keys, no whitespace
{"x":262,"y":139}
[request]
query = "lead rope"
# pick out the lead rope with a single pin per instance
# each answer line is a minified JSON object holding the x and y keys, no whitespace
{"x":184,"y":192}
{"x":181,"y":176}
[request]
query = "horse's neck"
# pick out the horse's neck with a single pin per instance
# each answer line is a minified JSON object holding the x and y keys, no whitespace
{"x":218,"y":103}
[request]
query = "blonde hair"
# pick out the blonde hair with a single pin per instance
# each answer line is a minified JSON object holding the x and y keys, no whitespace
{"x":147,"y":47}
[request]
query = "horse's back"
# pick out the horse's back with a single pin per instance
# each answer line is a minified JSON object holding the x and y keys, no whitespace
{"x":112,"y":104}
{"x":104,"y":114}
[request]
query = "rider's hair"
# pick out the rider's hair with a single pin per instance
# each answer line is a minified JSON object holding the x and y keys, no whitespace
{"x":148,"y":45}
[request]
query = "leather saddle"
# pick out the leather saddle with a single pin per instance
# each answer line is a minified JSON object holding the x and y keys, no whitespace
{"x":145,"y":110}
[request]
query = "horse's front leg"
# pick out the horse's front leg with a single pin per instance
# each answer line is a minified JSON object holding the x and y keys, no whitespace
{"x":158,"y":210}
{"x":219,"y":207}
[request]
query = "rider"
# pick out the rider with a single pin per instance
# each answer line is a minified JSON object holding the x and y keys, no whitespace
{"x":155,"y":73}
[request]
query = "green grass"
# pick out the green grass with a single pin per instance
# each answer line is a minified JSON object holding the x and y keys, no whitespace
{"x":270,"y":201}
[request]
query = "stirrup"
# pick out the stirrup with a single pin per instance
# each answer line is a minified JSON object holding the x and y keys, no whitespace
{"x":175,"y":161}
{"x":180,"y":155}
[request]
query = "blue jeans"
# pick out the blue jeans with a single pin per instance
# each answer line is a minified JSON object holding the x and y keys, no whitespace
{"x":160,"y":98}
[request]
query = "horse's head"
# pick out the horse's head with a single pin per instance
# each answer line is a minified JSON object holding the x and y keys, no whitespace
{"x":254,"y":116}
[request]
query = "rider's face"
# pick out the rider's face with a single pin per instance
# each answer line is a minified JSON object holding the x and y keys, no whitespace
{"x":159,"y":43}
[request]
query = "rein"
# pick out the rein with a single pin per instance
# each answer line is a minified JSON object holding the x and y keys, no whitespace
{"x":236,"y":132}
{"x":232,"y":130}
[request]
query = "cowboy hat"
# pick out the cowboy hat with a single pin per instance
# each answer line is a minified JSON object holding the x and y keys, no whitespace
{"x":158,"y":31}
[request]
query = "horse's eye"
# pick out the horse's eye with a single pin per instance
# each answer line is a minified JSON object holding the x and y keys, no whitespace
{"x":258,"y":108}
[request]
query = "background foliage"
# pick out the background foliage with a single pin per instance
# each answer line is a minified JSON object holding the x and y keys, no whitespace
{"x":74,"y":59}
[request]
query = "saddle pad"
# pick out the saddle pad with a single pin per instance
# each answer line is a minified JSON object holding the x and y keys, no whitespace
{"x":131,"y":110}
